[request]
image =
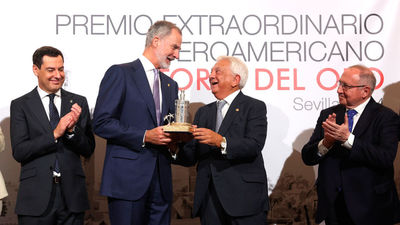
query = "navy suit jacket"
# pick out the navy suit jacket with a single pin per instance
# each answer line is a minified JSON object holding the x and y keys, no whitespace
{"x":34,"y":147}
{"x":239,"y":177}
{"x":365,"y":173}
{"x":124,"y":110}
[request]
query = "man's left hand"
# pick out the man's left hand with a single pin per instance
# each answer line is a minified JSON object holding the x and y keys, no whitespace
{"x":75,"y":113}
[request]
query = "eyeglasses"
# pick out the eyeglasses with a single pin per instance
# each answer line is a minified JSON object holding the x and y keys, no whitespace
{"x":346,"y":87}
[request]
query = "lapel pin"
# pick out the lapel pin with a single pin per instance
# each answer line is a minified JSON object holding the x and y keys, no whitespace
{"x":70,"y":101}
{"x":169,"y":85}
{"x":237,"y":109}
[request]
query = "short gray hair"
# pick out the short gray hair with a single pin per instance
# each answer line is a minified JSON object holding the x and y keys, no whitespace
{"x":160,"y":28}
{"x":238,"y":67}
{"x":366,"y":76}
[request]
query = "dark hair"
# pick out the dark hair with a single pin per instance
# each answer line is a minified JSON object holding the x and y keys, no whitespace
{"x":37,"y":57}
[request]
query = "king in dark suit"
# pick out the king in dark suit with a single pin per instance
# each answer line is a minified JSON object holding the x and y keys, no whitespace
{"x":355,"y":154}
{"x":133,"y":98}
{"x":229,"y":135}
{"x":49,"y":144}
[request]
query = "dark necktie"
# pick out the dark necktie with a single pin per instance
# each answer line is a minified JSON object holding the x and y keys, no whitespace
{"x":156,"y":95}
{"x":53,"y":112}
{"x":220,"y":105}
{"x":350,"y":115}
{"x":54,"y":119}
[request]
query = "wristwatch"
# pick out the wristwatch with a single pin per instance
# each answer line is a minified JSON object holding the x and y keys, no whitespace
{"x":223,"y":145}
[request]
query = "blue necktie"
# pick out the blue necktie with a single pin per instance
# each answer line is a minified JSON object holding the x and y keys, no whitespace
{"x":54,"y":119}
{"x":220,"y":105}
{"x":350,"y":114}
{"x":156,"y":96}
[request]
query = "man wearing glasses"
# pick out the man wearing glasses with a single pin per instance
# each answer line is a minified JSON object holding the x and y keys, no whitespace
{"x":354,"y":144}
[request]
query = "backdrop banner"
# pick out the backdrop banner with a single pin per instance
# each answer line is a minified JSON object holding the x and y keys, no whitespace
{"x":295,"y":52}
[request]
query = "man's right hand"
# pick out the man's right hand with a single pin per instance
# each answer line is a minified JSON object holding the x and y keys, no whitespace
{"x":157,"y":136}
{"x":63,"y":125}
{"x":329,"y":140}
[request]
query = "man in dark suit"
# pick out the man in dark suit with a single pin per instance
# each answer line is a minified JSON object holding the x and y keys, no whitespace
{"x":354,"y":144}
{"x":133,"y":98}
{"x":229,"y":135}
{"x":49,"y":145}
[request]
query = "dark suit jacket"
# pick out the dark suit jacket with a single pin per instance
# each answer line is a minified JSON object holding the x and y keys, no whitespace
{"x":124,"y":110}
{"x":364,"y":173}
{"x":34,"y":147}
{"x":239,"y":177}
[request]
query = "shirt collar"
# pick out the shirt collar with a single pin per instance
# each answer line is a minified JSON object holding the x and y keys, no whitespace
{"x":147,"y":65}
{"x":229,"y":99}
{"x":360,"y":108}
{"x":44,"y":94}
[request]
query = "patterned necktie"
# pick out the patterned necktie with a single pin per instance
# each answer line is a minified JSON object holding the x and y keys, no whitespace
{"x":54,"y":119}
{"x":350,"y":114}
{"x":53,"y":112}
{"x":220,"y":105}
{"x":156,"y":95}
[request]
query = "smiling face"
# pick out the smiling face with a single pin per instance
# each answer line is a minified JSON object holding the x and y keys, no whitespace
{"x":351,"y":96}
{"x":167,"y":49}
{"x":222,"y":81}
{"x":50,"y":74}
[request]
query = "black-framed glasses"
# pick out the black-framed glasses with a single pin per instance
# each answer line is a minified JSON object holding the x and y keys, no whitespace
{"x":346,"y":87}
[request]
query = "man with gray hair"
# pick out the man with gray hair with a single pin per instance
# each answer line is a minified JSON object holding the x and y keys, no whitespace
{"x":133,"y":98}
{"x":229,"y":135}
{"x":355,"y":144}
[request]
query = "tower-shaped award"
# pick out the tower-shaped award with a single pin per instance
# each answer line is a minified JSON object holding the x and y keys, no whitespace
{"x":181,"y":123}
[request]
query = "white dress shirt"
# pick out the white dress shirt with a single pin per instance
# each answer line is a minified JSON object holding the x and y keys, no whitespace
{"x":322,"y":150}
{"x":57,"y":102}
{"x":229,"y":99}
{"x":46,"y":100}
{"x":149,"y":70}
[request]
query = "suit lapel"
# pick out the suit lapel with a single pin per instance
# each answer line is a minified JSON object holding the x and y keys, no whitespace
{"x":365,"y":118}
{"x":66,"y":103}
{"x":340,"y":114}
{"x":165,"y":90}
{"x":233,"y":111}
{"x":213,"y":116}
{"x":36,"y":106}
{"x":139,"y":75}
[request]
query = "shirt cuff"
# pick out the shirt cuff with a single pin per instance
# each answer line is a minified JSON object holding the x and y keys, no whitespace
{"x":350,"y":141}
{"x":173,"y":155}
{"x":144,"y":136}
{"x":223,"y":149}
{"x":70,"y":136}
{"x":322,"y":150}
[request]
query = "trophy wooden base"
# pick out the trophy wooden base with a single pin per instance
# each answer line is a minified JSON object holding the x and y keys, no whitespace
{"x":177,"y":127}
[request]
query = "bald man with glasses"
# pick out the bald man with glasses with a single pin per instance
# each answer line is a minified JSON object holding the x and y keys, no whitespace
{"x":355,"y":144}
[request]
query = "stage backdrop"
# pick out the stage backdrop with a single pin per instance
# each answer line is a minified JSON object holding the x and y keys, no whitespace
{"x":295,"y":52}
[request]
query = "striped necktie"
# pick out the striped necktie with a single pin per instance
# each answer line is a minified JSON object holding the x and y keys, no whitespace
{"x":156,"y":95}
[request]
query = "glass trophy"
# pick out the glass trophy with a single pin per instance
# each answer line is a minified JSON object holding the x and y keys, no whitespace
{"x":181,"y":123}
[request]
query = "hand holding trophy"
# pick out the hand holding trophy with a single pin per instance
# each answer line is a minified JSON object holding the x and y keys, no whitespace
{"x":181,"y":123}
{"x":180,"y":129}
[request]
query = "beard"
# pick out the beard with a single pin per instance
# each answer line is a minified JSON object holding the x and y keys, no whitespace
{"x":164,"y":62}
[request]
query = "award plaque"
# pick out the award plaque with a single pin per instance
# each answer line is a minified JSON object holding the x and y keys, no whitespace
{"x":181,"y":123}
